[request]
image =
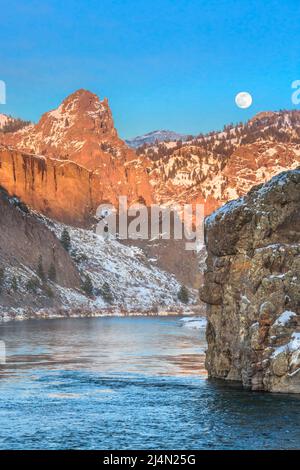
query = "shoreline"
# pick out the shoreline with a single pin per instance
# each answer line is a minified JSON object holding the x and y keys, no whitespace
{"x":55,"y":315}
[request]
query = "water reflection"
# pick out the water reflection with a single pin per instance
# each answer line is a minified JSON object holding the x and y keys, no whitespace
{"x":140,"y":345}
{"x":129,"y":383}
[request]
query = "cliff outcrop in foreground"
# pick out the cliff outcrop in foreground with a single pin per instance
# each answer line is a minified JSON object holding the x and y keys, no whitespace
{"x":252,"y":287}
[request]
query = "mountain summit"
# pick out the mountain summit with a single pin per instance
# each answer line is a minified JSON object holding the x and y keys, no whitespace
{"x":72,"y":160}
{"x":81,"y":129}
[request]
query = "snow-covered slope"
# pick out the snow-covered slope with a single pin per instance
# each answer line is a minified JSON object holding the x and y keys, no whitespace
{"x":219,"y":166}
{"x":4,"y":120}
{"x":11,"y":124}
{"x":136,"y":283}
{"x":280,"y":126}
{"x":30,"y":248}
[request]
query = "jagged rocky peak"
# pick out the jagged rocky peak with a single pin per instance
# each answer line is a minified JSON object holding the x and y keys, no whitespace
{"x":83,"y":108}
{"x":84,"y":161}
{"x":80,"y":102}
{"x":82,"y":119}
{"x":80,"y":129}
{"x":252,"y":287}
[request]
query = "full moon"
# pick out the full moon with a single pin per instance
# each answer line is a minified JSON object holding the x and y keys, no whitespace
{"x":243,"y":100}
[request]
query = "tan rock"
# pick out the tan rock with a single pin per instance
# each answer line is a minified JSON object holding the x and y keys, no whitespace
{"x":250,"y":324}
{"x":280,"y":364}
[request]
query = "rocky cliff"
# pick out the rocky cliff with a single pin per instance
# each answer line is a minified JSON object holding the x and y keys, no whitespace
{"x":71,"y":161}
{"x":81,"y":129}
{"x":252,"y":287}
{"x":64,"y":190}
{"x":25,"y":241}
{"x":47,"y":185}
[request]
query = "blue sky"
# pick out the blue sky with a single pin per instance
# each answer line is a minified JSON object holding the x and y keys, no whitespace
{"x":170,"y":64}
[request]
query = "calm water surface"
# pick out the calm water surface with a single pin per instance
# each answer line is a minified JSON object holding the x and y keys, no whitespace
{"x":128,"y":383}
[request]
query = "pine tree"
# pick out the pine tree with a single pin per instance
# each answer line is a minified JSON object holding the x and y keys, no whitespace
{"x":88,"y":286}
{"x":183,"y":295}
{"x":14,"y":284}
{"x":52,"y":273}
{"x":106,"y":293}
{"x":32,"y":285}
{"x":40,"y":269}
{"x":2,"y":277}
{"x":65,"y":239}
{"x":48,"y":291}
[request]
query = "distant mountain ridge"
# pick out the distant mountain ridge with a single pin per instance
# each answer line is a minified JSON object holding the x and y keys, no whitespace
{"x":219,"y":166}
{"x":153,"y":137}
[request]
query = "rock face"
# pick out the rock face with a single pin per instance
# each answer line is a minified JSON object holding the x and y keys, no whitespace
{"x":47,"y":185}
{"x":62,"y":189}
{"x":24,"y":240}
{"x":252,"y":287}
{"x":24,"y":237}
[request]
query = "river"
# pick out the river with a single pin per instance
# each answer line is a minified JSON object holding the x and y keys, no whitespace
{"x":129,"y":383}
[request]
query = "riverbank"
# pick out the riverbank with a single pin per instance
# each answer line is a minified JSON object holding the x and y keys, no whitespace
{"x":20,"y":314}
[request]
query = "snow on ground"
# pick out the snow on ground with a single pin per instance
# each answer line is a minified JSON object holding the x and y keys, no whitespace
{"x":220,"y":213}
{"x":285,"y":317}
{"x":135,"y":283}
{"x":293,"y":346}
{"x":3,"y":120}
{"x":197,"y":323}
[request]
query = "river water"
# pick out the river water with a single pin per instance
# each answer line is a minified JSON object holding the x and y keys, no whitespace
{"x":129,"y":383}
